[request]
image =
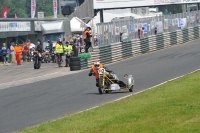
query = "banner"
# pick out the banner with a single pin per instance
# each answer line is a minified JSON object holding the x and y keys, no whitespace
{"x":159,"y":26}
{"x":15,"y":26}
{"x":5,"y":12}
{"x":55,"y":8}
{"x":131,"y":28}
{"x":117,"y":30}
{"x":37,"y":25}
{"x":145,"y":26}
{"x":33,"y":8}
{"x":166,"y":25}
{"x":152,"y":25}
{"x":182,"y":23}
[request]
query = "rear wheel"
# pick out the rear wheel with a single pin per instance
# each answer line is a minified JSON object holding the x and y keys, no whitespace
{"x":101,"y":88}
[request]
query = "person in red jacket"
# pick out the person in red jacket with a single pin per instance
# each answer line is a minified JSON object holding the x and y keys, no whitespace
{"x":25,"y":51}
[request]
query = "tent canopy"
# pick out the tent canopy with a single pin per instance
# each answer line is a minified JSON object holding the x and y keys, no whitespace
{"x":77,"y":25}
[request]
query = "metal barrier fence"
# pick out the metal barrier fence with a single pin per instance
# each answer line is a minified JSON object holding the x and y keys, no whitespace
{"x":120,"y":51}
{"x":109,"y":33}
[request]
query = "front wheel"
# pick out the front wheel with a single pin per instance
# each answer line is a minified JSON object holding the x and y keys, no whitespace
{"x":101,"y":87}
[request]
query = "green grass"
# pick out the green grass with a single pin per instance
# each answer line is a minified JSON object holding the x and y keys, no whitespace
{"x":170,"y":108}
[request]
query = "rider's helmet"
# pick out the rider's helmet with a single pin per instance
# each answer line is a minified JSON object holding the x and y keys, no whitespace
{"x":97,"y":64}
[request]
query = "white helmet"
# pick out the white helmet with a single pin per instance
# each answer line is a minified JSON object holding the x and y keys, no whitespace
{"x":97,"y":64}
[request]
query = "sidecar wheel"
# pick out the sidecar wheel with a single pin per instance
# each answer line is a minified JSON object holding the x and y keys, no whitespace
{"x":107,"y":91}
{"x":131,"y":89}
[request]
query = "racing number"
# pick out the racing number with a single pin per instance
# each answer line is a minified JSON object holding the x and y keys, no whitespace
{"x":101,"y":71}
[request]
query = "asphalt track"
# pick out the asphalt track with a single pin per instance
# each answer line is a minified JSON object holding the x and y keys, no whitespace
{"x":31,"y":104}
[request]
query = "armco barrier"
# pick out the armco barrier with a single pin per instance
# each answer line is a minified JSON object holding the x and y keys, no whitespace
{"x":119,"y":51}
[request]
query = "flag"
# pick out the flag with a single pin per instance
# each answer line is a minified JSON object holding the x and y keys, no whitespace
{"x":33,"y":8}
{"x":5,"y":12}
{"x":55,"y":8}
{"x":15,"y":16}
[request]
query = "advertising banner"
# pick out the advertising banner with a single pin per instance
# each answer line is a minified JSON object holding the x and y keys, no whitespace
{"x":159,"y":26}
{"x":182,"y":23}
{"x":55,"y":5}
{"x":166,"y":24}
{"x":37,"y":25}
{"x":152,"y":25}
{"x":117,"y":30}
{"x":145,"y":28}
{"x":15,"y":26}
{"x":33,"y":8}
{"x":5,"y":12}
{"x":136,"y":27}
{"x":184,"y":20}
{"x":124,"y":29}
{"x":131,"y":28}
{"x":105,"y":4}
{"x":169,"y":22}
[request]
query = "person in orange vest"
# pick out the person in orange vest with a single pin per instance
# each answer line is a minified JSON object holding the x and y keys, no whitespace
{"x":18,"y":50}
{"x":94,"y":71}
{"x":25,"y":51}
{"x":87,"y":37}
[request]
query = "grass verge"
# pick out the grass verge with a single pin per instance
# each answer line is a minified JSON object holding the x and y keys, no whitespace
{"x":173,"y":107}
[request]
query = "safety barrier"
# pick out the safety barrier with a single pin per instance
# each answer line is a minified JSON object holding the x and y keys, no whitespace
{"x":119,"y":51}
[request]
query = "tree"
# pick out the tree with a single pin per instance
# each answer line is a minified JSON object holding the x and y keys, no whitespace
{"x":18,"y":7}
{"x":3,"y":4}
{"x":170,"y":8}
{"x":23,"y":7}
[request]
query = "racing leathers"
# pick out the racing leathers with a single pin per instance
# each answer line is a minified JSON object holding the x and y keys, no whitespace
{"x":110,"y":74}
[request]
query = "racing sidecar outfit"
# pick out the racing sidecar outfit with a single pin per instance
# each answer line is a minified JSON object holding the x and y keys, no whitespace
{"x":110,"y":74}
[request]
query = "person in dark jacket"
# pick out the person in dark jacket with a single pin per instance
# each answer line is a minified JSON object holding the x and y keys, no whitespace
{"x":87,"y":37}
{"x":4,"y":52}
{"x":39,"y":47}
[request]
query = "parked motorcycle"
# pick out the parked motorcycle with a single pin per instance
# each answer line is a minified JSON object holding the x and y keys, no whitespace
{"x":37,"y":60}
{"x":47,"y":56}
{"x":53,"y":56}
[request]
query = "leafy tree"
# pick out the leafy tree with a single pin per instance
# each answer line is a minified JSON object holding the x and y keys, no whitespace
{"x":170,"y":8}
{"x":3,"y":4}
{"x":23,"y":7}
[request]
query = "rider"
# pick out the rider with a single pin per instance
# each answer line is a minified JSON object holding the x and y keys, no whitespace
{"x":94,"y":71}
{"x":67,"y":48}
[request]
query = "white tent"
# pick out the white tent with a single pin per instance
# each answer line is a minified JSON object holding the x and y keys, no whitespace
{"x":77,"y":25}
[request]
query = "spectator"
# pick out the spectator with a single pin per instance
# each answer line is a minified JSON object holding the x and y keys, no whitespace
{"x":25,"y":51}
{"x":142,"y":32}
{"x":120,"y":37}
{"x":87,"y":37}
{"x":4,"y":52}
{"x":139,"y":33}
{"x":18,"y":50}
{"x":12,"y":53}
{"x":155,"y":31}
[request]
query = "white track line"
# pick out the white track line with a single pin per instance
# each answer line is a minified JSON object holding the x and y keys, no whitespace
{"x":140,"y":91}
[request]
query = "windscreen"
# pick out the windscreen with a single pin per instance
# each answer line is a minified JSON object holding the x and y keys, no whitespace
{"x":52,"y":37}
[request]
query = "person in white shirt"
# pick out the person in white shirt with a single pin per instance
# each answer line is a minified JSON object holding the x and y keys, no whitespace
{"x":12,"y":53}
